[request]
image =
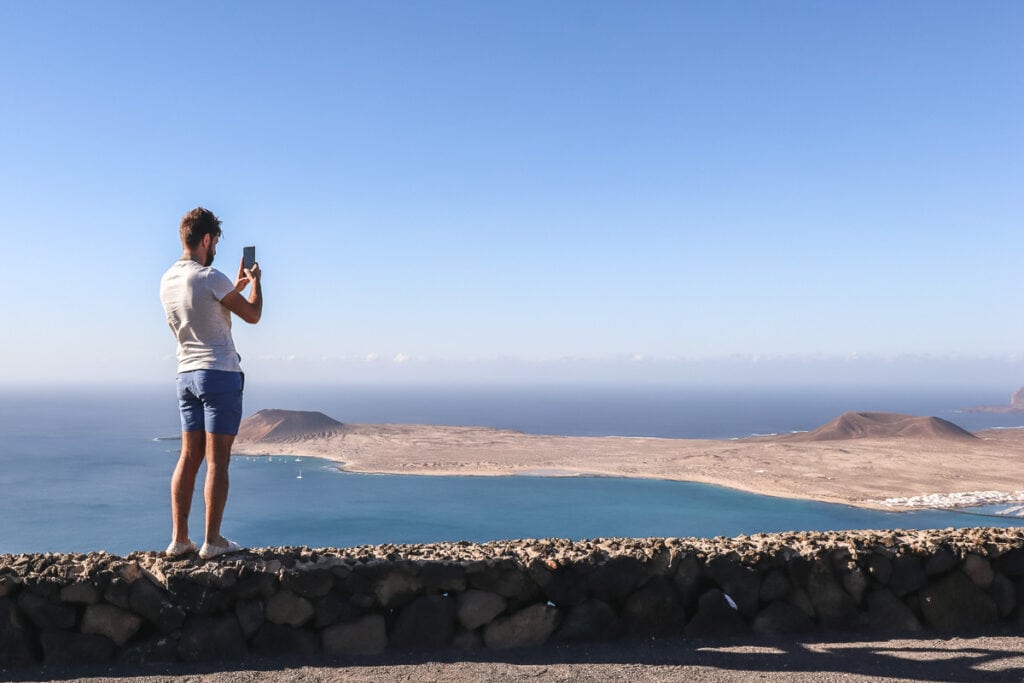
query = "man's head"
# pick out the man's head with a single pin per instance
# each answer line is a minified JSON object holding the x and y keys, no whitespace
{"x":200,"y":230}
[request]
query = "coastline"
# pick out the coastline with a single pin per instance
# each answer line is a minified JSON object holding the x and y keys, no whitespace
{"x":889,"y":474}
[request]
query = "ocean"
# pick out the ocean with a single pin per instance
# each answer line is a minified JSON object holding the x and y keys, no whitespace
{"x":81,"y":471}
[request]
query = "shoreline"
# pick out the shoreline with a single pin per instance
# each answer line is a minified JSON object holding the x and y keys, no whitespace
{"x":894,"y":474}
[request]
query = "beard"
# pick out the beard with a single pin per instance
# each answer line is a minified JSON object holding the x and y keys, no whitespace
{"x":209,"y":258}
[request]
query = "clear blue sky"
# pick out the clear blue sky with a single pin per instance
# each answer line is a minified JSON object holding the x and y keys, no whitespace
{"x":486,"y":188}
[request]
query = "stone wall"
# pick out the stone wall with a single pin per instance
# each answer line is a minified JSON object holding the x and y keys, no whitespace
{"x":93,"y":608}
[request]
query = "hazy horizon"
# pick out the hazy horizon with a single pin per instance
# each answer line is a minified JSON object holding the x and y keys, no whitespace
{"x":997,"y":376}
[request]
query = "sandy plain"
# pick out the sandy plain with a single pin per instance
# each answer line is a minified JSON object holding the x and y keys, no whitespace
{"x":863,"y":471}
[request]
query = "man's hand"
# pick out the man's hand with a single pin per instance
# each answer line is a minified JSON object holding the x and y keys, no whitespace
{"x":246,"y":275}
{"x":249,"y":309}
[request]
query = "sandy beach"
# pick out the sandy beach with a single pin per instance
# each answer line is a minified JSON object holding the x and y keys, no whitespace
{"x":920,"y":464}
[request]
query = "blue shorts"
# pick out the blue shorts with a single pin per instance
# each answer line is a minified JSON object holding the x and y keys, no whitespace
{"x":210,"y":401}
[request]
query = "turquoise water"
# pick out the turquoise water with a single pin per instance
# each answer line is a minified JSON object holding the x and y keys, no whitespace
{"x":79,"y":473}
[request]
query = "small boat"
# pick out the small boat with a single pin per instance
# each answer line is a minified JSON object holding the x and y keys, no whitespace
{"x":300,"y":475}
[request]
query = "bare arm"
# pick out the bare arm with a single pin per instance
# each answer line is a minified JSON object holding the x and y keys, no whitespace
{"x":248,"y":309}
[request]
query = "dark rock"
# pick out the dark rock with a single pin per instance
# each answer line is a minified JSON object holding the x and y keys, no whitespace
{"x":356,"y":583}
{"x":1011,"y":563}
{"x":113,"y":622}
{"x":64,"y":648}
{"x":365,"y":636}
{"x":309,"y":583}
{"x":565,"y":587}
{"x":426,"y":623}
{"x":781,"y":618}
{"x":739,"y":582}
{"x":362,"y":601}
{"x":955,"y":604}
{"x":376,"y":569}
{"x":880,"y":568}
{"x":250,"y":615}
{"x":799,"y":569}
{"x":616,"y":578}
{"x":654,"y":610}
{"x":43,"y":586}
{"x":775,"y":586}
{"x":102,"y":579}
{"x":1018,"y":585}
{"x":206,"y":639}
{"x":151,"y":602}
{"x":799,"y":599}
{"x":908,"y":575}
{"x":163,"y":648}
{"x":82,"y":592}
{"x":476,"y":608}
{"x":913,"y":603}
{"x":528,"y":627}
{"x":193,"y":597}
{"x":978,"y":570}
{"x":118,"y":592}
{"x":274,"y":640}
{"x":341,"y":572}
{"x":331,"y":609}
{"x":506,"y":579}
{"x":540,"y":572}
{"x":590,"y":621}
{"x":715,"y":617}
{"x":45,"y":613}
{"x":15,"y":639}
{"x":289,"y":609}
{"x":942,"y":560}
{"x":833,"y":606}
{"x":254,"y":585}
{"x":443,"y":576}
{"x":888,"y":614}
{"x":8,"y":584}
{"x":397,"y":588}
{"x":853,"y":580}
{"x":1004,"y":594}
{"x":687,"y":578}
{"x":467,"y":640}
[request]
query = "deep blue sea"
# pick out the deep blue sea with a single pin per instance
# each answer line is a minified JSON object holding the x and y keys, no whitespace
{"x":83,"y":471}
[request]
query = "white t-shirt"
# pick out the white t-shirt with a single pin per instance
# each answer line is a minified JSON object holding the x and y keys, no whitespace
{"x":191,"y":296}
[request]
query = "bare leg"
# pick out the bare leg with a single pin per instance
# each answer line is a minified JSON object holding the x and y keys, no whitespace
{"x":183,"y":482}
{"x":218,"y":456}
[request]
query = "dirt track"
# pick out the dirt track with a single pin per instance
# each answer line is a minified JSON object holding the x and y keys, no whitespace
{"x":999,"y":658}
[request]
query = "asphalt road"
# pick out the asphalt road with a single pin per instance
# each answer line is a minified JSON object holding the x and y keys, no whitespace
{"x":995,"y":658}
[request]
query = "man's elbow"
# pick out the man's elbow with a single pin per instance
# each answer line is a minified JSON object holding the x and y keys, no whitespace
{"x":252,"y":317}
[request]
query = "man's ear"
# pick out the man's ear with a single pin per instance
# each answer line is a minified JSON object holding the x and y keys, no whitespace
{"x":207,"y":239}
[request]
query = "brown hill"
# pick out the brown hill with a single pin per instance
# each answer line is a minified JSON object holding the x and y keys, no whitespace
{"x":884,"y":425}
{"x":287,"y":425}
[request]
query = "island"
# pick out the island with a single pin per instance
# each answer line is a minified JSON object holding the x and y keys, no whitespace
{"x":866,"y":459}
{"x":1016,"y":405}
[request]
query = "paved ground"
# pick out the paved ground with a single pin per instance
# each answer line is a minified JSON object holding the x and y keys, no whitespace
{"x":999,"y":658}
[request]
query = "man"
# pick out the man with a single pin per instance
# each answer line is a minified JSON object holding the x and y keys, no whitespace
{"x":199,"y":301}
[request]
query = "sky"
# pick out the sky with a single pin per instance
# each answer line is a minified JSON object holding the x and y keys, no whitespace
{"x":521,"y":191}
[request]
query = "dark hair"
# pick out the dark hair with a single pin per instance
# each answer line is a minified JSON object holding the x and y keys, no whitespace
{"x":197,"y":223}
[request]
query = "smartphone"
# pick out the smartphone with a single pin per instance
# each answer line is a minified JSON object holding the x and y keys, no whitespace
{"x":248,"y":257}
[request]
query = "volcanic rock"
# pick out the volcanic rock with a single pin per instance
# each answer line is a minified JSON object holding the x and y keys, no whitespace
{"x":854,"y":425}
{"x":279,"y":426}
